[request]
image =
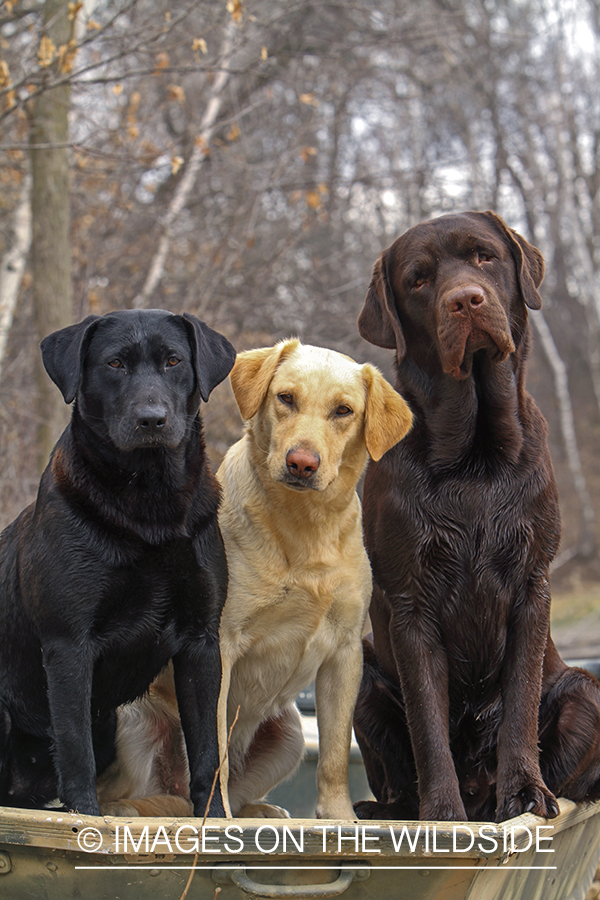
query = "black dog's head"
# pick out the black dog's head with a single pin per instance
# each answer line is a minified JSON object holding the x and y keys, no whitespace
{"x":459,"y":283}
{"x":138,"y":375}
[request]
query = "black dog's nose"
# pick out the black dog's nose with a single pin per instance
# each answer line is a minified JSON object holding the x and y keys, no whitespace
{"x":302,"y":462}
{"x":151,"y":418}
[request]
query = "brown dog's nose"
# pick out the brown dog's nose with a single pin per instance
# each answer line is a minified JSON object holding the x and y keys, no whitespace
{"x":302,"y":463}
{"x":465,"y":299}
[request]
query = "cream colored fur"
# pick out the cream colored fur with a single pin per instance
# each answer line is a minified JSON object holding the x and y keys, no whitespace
{"x":299,"y":577}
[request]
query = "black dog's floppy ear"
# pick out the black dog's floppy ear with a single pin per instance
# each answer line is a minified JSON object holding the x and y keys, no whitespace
{"x":213,"y":355}
{"x":62,"y":355}
{"x":378,"y":321}
{"x":528,"y":260}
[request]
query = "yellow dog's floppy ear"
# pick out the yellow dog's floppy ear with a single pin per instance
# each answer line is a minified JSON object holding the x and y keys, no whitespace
{"x":252,"y":373}
{"x":387,"y":417}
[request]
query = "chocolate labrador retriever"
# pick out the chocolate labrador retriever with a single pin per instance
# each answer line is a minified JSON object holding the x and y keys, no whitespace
{"x":464,"y":693}
{"x":119,"y":564}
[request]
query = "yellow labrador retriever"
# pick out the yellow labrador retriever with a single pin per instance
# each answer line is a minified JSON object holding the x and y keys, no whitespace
{"x":299,"y":577}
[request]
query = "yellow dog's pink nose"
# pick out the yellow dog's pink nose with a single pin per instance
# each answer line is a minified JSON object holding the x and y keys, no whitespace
{"x":302,"y":463}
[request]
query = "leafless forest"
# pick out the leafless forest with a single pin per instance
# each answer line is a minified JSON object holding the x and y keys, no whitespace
{"x":247,"y":162}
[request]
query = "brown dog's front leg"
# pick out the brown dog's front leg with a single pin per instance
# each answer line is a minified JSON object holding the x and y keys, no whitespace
{"x":520,"y":787}
{"x":423,"y":672}
{"x":69,"y":676}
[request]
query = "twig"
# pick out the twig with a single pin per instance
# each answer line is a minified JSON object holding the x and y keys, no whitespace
{"x":209,"y":801}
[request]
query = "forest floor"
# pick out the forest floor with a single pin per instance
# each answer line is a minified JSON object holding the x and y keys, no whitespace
{"x":576,"y":621}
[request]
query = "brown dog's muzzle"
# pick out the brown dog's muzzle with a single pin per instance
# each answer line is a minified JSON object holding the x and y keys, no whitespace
{"x":471,"y":319}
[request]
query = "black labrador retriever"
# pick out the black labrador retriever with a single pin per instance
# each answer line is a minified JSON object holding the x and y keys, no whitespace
{"x":119,"y":564}
{"x":461,"y":519}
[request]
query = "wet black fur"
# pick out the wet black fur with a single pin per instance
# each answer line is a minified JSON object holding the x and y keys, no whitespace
{"x":119,"y":564}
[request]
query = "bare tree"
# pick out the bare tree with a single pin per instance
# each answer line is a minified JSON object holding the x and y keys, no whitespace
{"x":50,"y":211}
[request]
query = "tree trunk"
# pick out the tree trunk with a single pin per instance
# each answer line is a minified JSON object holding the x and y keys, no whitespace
{"x":50,"y":208}
{"x":13,"y":264}
{"x":586,"y":545}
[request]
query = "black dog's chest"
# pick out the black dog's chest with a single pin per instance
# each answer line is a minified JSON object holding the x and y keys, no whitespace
{"x":160,"y":593}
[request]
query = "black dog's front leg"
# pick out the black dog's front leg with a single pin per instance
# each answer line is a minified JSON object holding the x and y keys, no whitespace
{"x":197,"y":671}
{"x":69,"y":673}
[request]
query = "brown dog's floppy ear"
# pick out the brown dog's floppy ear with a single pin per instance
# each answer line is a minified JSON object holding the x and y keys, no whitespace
{"x":387,"y":416}
{"x":252,"y":373}
{"x":62,"y":354}
{"x":528,"y":259}
{"x":378,"y":321}
{"x":213,"y":355}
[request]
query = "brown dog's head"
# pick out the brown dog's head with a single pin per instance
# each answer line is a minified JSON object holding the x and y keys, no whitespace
{"x":463,"y":281}
{"x":313,"y":413}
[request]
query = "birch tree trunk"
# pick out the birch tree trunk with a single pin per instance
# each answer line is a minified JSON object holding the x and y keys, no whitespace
{"x":586,"y":542}
{"x":13,"y":264}
{"x":185,"y":186}
{"x":50,"y":208}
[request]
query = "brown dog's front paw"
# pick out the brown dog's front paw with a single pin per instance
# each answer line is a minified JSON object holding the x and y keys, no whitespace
{"x":533,"y":798}
{"x":443,"y":808}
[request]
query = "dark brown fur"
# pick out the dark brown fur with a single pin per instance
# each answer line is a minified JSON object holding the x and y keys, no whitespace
{"x":461,"y":523}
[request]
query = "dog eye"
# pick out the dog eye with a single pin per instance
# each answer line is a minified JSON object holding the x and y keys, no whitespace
{"x":116,"y":364}
{"x":419,"y":283}
{"x":173,"y":361}
{"x":287,"y":399}
{"x":343,"y":410}
{"x":484,"y":256}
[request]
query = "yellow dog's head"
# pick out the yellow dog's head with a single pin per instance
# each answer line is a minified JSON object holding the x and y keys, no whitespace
{"x":315,"y":413}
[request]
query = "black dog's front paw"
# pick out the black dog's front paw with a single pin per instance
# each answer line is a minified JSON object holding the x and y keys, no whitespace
{"x":533,"y":797}
{"x":216,"y":810}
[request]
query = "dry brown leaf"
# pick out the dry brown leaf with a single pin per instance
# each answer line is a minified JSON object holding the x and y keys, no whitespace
{"x":309,"y":99}
{"x":236,"y":9}
{"x":4,"y":74}
{"x":161,"y":62}
{"x":175,"y":93}
{"x":47,"y":52}
{"x":66,"y":56}
{"x":199,"y":44}
{"x":74,"y":9}
{"x":200,"y":142}
{"x":307,"y":152}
